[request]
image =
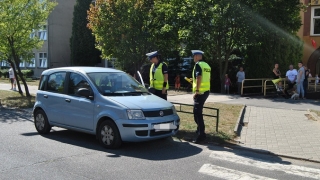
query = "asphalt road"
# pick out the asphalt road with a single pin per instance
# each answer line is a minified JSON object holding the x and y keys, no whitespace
{"x":64,"y":154}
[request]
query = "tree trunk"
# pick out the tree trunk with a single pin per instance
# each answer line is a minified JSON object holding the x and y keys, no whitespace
{"x":17,"y":62}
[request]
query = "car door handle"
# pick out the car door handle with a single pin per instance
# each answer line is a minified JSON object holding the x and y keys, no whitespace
{"x":68,"y":100}
{"x":45,"y":96}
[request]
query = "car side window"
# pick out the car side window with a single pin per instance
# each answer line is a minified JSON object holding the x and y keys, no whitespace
{"x":42,"y":83}
{"x":56,"y":82}
{"x":76,"y":82}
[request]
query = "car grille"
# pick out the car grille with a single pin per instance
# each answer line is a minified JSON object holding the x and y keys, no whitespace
{"x":166,"y":112}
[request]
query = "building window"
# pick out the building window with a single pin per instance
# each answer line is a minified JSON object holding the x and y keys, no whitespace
{"x":32,"y":63}
{"x":43,"y":60}
{"x":33,"y":34}
{"x":4,"y":63}
{"x":22,"y":64}
{"x":42,"y":33}
{"x":315,"y":20}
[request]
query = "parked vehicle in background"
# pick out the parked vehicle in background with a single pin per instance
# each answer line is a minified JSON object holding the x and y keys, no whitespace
{"x":106,"y":102}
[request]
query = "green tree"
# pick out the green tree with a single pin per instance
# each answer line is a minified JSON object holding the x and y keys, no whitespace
{"x":272,"y":38}
{"x":82,"y":42}
{"x":18,"y":19}
{"x":121,"y":31}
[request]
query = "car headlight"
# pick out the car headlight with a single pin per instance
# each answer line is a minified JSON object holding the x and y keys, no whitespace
{"x":174,"y":110}
{"x":135,"y":114}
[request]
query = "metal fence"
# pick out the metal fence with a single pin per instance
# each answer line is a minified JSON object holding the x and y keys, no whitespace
{"x":262,"y":82}
{"x":208,"y":115}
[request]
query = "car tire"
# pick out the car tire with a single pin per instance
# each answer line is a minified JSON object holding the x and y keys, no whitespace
{"x":41,"y":122}
{"x":108,"y":135}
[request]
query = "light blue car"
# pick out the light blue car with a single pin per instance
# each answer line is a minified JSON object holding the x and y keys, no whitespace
{"x":106,"y":102}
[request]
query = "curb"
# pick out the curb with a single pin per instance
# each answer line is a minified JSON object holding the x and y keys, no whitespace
{"x":240,"y":119}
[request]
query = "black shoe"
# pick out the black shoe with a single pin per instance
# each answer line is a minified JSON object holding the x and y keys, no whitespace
{"x":199,"y":140}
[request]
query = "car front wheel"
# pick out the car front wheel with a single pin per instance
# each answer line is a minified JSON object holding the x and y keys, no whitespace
{"x":41,"y":122}
{"x":109,"y":136}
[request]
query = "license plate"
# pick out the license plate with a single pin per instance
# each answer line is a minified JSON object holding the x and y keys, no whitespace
{"x":164,"y":127}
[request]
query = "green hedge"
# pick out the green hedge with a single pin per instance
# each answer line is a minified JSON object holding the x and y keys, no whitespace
{"x":26,"y":73}
{"x":4,"y":73}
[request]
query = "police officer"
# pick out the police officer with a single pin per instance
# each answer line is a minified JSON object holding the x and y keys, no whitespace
{"x":201,"y":89}
{"x":158,"y":75}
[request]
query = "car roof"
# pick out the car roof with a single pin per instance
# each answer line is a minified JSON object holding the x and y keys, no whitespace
{"x":81,"y":69}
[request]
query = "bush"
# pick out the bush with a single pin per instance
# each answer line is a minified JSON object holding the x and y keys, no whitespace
{"x":4,"y":73}
{"x":27,"y":73}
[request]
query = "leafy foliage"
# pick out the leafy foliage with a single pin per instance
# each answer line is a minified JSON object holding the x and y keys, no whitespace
{"x":82,"y":42}
{"x":251,"y":30}
{"x":18,"y":20}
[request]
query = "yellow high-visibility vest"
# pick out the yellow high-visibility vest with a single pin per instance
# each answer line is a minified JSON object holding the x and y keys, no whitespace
{"x":205,"y":82}
{"x":156,"y":81}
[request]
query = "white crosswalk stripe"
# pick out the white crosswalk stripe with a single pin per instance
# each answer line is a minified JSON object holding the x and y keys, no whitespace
{"x":229,"y":174}
{"x":256,"y":163}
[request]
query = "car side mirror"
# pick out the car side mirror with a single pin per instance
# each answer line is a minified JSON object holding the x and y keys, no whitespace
{"x":85,"y":93}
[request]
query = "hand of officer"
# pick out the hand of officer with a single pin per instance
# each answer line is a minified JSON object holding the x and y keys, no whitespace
{"x":164,"y":90}
{"x":195,"y":95}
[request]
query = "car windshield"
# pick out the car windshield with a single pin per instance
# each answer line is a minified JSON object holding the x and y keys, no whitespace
{"x":117,"y":84}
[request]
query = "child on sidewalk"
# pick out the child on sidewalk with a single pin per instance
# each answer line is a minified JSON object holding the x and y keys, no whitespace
{"x":227,"y":83}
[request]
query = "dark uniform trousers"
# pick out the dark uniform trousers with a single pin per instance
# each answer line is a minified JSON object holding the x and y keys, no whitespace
{"x":159,"y":94}
{"x":197,"y":112}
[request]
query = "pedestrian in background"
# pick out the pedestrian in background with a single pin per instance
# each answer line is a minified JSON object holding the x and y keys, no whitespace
{"x":201,"y":76}
{"x":291,"y":77}
{"x":12,"y":78}
{"x":240,"y":78}
{"x":158,"y":75}
{"x":177,"y":83}
{"x":305,"y":81}
{"x":227,"y":83}
{"x":300,"y":79}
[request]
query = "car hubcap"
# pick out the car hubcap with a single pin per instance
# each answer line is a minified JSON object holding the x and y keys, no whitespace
{"x":40,"y":121}
{"x":107,"y":135}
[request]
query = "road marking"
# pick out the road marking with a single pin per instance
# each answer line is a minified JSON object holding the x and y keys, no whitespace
{"x":268,"y":165}
{"x":229,"y":174}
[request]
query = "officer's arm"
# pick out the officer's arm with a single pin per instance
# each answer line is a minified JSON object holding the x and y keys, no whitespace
{"x":199,"y":78}
{"x":165,"y":78}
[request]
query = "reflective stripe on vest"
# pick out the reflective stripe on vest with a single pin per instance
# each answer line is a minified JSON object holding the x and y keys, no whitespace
{"x":158,"y":78}
{"x":205,"y":80}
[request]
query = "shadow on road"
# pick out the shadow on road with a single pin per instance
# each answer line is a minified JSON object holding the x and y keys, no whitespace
{"x":14,"y":115}
{"x":158,"y":150}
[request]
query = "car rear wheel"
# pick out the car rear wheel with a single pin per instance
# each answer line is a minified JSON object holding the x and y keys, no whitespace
{"x":109,"y":136}
{"x":41,"y":122}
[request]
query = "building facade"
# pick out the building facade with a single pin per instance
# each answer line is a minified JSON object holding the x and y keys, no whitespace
{"x":310,"y":34}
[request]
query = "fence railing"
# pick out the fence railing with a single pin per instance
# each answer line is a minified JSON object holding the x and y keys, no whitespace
{"x":264,"y":86}
{"x":208,"y":115}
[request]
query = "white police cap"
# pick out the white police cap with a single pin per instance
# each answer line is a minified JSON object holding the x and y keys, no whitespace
{"x":194,"y":52}
{"x":152,"y":54}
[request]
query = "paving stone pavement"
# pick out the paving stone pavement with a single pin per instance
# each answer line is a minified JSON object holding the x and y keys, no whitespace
{"x":281,"y":131}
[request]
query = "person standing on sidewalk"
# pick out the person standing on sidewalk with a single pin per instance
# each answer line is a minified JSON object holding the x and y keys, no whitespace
{"x":305,"y":81}
{"x":158,"y":75}
{"x":300,"y":79}
{"x":227,"y":83}
{"x":291,"y":77}
{"x":177,"y":83}
{"x":201,"y":88}
{"x":240,"y":77}
{"x":12,"y":78}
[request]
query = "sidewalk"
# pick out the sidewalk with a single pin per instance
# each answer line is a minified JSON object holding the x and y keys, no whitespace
{"x":278,"y":126}
{"x":7,"y":86}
